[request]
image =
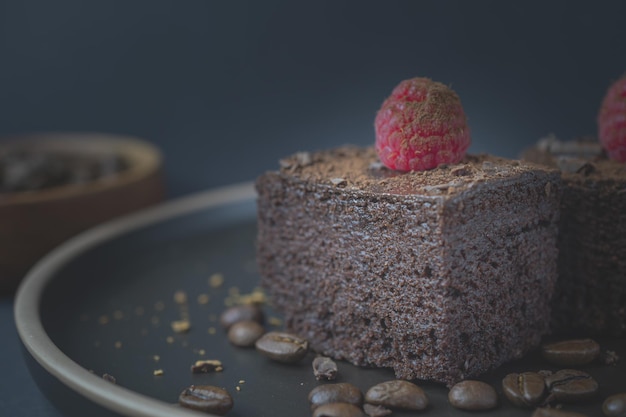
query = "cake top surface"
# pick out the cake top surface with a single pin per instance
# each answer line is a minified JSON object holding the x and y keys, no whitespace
{"x":581,"y":161}
{"x":359,"y":168}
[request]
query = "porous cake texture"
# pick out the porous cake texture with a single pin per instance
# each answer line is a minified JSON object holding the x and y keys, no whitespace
{"x":590,"y":297}
{"x":440,"y":275}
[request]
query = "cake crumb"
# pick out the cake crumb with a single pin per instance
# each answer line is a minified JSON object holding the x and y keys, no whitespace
{"x":610,"y":358}
{"x":338,"y":182}
{"x":274,"y":321}
{"x":156,"y":358}
{"x":169,"y":339}
{"x":324,"y":368}
{"x":118,"y":345}
{"x":257,"y":296}
{"x":157,"y":372}
{"x":212,"y":330}
{"x":206,"y":366}
{"x":180,"y":297}
{"x":548,"y":189}
{"x":181,"y":326}
{"x":203,"y":299}
{"x":108,"y":377}
{"x":216,"y":280}
{"x":461,"y":171}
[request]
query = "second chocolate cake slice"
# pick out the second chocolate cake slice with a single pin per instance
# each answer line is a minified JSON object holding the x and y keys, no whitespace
{"x":440,"y":275}
{"x":590,"y":296}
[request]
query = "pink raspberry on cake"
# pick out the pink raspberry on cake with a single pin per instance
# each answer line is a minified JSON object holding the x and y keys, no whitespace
{"x":441,"y":274}
{"x":612,"y":121}
{"x":420,"y":126}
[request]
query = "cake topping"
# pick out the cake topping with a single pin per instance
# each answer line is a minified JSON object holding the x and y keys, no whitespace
{"x":355,"y":168}
{"x":420,"y":126}
{"x":612,"y":121}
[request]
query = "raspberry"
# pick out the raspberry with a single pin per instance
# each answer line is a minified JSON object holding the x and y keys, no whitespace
{"x":612,"y":121}
{"x":421,"y":125}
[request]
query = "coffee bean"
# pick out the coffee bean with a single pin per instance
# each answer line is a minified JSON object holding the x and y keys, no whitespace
{"x":206,"y":398}
{"x":31,"y":170}
{"x":376,"y":410}
{"x":397,"y":394}
{"x":242,"y":312}
{"x":324,"y":368}
{"x":282,"y":347}
{"x":338,"y":410}
{"x":473,"y":395}
{"x":342,"y":392}
{"x":524,"y":390}
{"x":570,"y":385}
{"x":615,"y":405}
{"x":245,"y":333}
{"x":571,"y":352}
{"x":553,"y":412}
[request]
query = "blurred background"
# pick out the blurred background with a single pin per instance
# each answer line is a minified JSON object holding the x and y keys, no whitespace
{"x":227,"y":88}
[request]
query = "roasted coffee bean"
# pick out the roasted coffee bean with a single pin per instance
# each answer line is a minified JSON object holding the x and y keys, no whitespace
{"x":27,"y":170}
{"x":206,"y":398}
{"x":342,"y":392}
{"x":397,"y":394}
{"x":553,"y":412}
{"x":524,"y":390}
{"x":570,"y":385}
{"x":242,"y":312}
{"x":376,"y":410}
{"x":473,"y":395}
{"x":338,"y":410}
{"x":615,"y":405}
{"x":571,"y":352}
{"x":245,"y":333}
{"x":324,"y":368}
{"x":282,"y":347}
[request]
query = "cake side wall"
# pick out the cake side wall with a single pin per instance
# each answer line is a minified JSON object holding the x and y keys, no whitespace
{"x":353,"y":273}
{"x":501,"y":257}
{"x":591,"y":290}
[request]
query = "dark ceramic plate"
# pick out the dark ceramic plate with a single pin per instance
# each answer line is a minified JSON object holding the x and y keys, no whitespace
{"x":104,"y":303}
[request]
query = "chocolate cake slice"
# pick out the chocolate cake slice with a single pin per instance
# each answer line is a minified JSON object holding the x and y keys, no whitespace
{"x":590,"y":296}
{"x":440,"y":275}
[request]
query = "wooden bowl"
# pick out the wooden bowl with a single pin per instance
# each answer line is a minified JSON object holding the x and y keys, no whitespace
{"x":34,"y":222}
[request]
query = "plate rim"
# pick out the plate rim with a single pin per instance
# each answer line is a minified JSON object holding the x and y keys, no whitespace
{"x":28,"y":297}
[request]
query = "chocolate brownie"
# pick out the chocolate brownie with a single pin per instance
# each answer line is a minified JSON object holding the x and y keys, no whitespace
{"x":591,"y":289}
{"x":440,"y":275}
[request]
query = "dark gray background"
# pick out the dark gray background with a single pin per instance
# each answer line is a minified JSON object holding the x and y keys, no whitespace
{"x":226,"y":88}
